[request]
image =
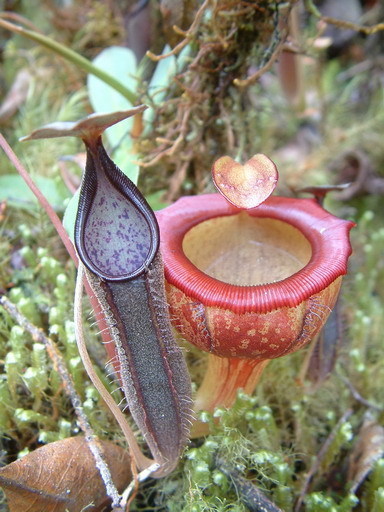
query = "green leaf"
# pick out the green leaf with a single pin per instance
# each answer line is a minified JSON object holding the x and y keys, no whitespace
{"x":121,"y":64}
{"x":14,"y":190}
{"x":156,"y":201}
{"x":157,"y":87}
{"x":162,"y":76}
{"x":70,"y":215}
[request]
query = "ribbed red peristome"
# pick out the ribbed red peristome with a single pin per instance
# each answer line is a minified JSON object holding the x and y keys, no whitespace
{"x":327,"y":234}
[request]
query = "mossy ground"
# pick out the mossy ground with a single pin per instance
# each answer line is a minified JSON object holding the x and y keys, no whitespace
{"x":273,"y":437}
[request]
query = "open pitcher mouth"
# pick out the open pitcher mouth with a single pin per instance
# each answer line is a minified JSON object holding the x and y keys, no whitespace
{"x":245,"y":250}
{"x":276,"y":255}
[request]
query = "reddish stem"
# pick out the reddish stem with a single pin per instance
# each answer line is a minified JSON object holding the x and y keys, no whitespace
{"x":40,"y":197}
{"x":63,"y":235}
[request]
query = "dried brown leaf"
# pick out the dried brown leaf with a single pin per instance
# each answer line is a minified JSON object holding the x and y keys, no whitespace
{"x":245,"y":186}
{"x":62,"y":476}
{"x":368,"y":449}
{"x":357,"y":168}
{"x":323,"y":355}
{"x":16,"y":95}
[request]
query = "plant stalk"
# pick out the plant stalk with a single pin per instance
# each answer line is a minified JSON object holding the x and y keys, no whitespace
{"x":72,"y":56}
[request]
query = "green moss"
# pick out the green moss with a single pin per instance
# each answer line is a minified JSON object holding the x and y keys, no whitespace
{"x":273,"y":437}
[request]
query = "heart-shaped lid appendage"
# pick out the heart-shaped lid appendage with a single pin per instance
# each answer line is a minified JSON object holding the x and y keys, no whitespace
{"x":245,"y":186}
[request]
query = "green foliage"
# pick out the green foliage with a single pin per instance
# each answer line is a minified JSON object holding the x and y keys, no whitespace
{"x":373,"y":495}
{"x":273,"y":437}
{"x":15,"y":191}
{"x":317,"y":502}
{"x":378,"y":500}
{"x":34,"y":407}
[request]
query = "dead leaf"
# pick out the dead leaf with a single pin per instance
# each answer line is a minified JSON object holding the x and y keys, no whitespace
{"x":368,"y":449}
{"x":324,"y":351}
{"x":16,"y":95}
{"x":356,"y":167}
{"x":62,"y":476}
{"x":245,"y":186}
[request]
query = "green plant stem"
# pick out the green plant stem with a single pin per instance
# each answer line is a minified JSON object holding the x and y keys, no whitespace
{"x":72,"y":56}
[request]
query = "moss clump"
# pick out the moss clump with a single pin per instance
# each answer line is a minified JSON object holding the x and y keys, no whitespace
{"x":273,"y":438}
{"x":34,"y":407}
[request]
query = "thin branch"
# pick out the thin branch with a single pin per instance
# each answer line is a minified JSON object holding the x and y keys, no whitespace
{"x":13,"y":16}
{"x":253,"y":78}
{"x":177,"y":179}
{"x":187,"y":35}
{"x":175,"y":144}
{"x":356,"y":395}
{"x":40,"y":197}
{"x":342,"y":23}
{"x":59,"y":364}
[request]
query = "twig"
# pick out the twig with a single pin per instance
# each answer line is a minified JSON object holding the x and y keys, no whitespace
{"x":175,"y":144}
{"x":143,"y":475}
{"x":59,"y":228}
{"x":276,"y":47}
{"x":356,"y":395}
{"x":8,"y":15}
{"x":93,"y":443}
{"x":40,"y":197}
{"x":177,"y":179}
{"x":187,"y":35}
{"x":253,"y":78}
{"x":320,"y":456}
{"x":342,"y":23}
{"x":252,"y":497}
